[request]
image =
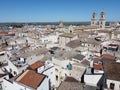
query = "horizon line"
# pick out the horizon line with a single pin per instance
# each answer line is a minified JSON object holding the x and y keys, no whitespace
{"x":51,"y":21}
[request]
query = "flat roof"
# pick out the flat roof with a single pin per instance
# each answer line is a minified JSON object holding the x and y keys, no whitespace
{"x":74,"y":43}
{"x":68,"y":35}
{"x":34,"y":52}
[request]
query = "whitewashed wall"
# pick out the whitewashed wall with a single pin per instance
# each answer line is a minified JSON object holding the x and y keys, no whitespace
{"x":44,"y":85}
{"x":7,"y":85}
{"x":117,"y":84}
{"x":92,"y":79}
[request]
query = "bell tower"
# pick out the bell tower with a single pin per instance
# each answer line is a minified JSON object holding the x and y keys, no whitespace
{"x":61,"y":24}
{"x":94,"y":19}
{"x":102,"y":20}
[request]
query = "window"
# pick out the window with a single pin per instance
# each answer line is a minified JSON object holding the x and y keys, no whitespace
{"x":23,"y":71}
{"x":0,"y":87}
{"x":112,"y":86}
{"x":15,"y":73}
{"x":56,"y":77}
{"x":102,"y":16}
{"x":10,"y":70}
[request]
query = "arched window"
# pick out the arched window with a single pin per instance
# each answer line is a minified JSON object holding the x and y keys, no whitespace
{"x":102,"y":16}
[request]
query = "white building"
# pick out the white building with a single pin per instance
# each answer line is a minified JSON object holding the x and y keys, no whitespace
{"x":100,"y":23}
{"x":48,"y":69}
{"x":94,"y":79}
{"x":29,"y":80}
{"x":102,"y":20}
{"x":66,"y":67}
{"x":112,"y":75}
{"x":65,"y":38}
{"x":50,"y":38}
{"x":18,"y":65}
{"x":2,"y":76}
{"x":3,"y":56}
{"x":94,"y":20}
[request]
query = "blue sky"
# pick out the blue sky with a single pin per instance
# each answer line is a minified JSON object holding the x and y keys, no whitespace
{"x":56,"y":10}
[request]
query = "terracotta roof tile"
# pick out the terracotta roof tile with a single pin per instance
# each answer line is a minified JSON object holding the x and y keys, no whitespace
{"x":112,"y":70}
{"x":85,"y":62}
{"x":36,"y":65}
{"x":12,"y":34}
{"x":108,"y":57}
{"x":3,"y":33}
{"x":97,"y":67}
{"x":31,"y":79}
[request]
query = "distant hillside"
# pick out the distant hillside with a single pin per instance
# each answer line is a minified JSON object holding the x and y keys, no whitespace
{"x":46,"y":23}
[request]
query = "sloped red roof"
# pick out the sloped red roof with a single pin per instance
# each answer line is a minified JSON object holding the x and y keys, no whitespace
{"x":108,"y":56}
{"x":31,"y":78}
{"x":97,"y":67}
{"x":85,"y":62}
{"x":36,"y":65}
{"x":112,"y":70}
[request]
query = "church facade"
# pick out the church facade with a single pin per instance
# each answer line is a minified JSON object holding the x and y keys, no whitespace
{"x":101,"y":22}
